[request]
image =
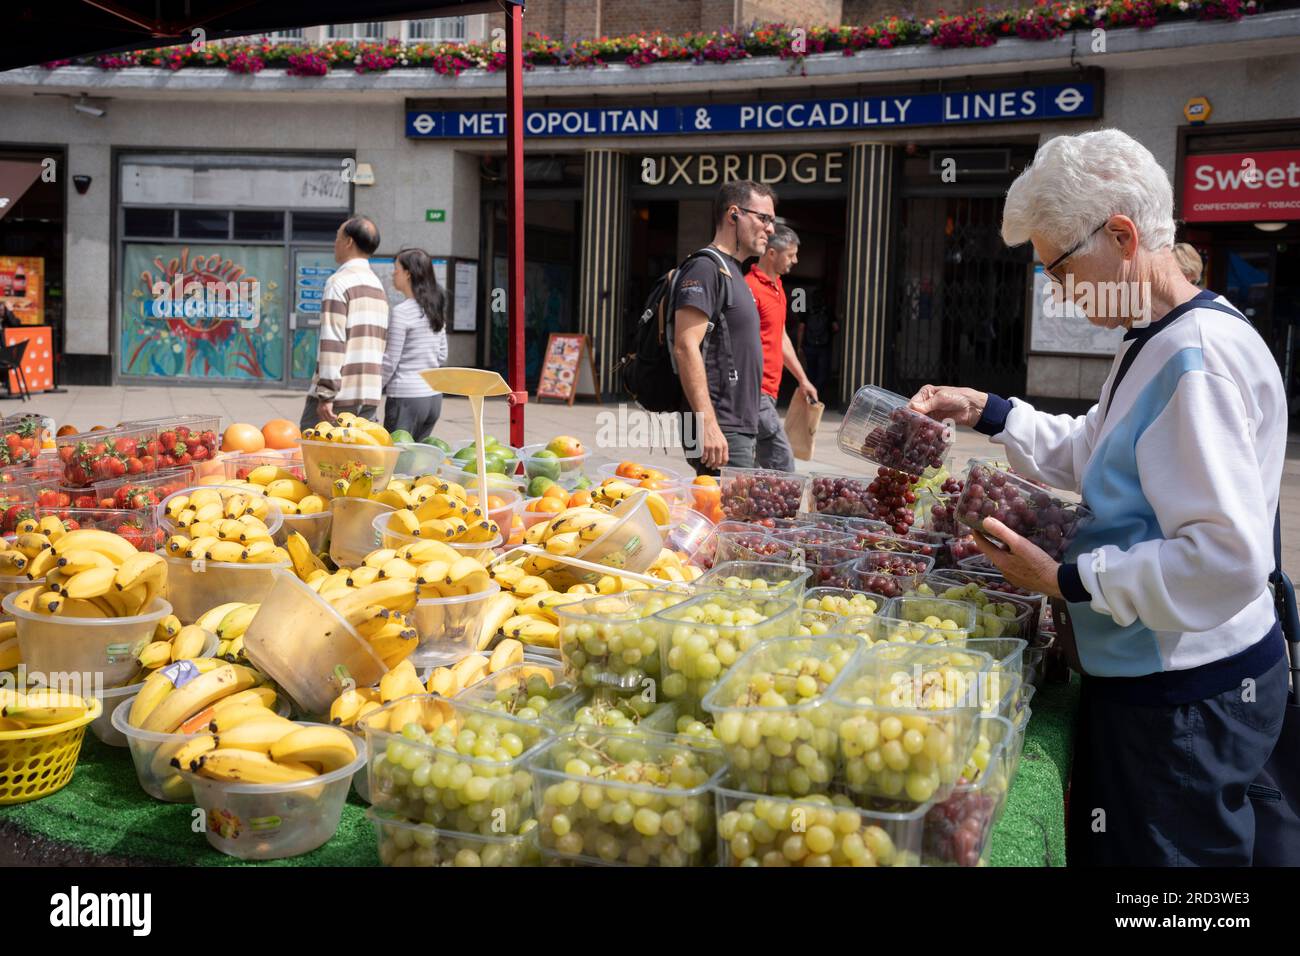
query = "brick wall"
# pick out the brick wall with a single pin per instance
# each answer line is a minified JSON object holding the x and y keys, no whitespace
{"x":867,"y":11}
{"x":574,"y":19}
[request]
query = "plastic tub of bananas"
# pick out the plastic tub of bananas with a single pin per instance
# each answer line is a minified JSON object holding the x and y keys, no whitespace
{"x":449,"y":612}
{"x":40,"y":740}
{"x":353,"y":534}
{"x":279,"y":792}
{"x":190,"y":642}
{"x":197,"y":584}
{"x":183,"y":702}
{"x":331,"y":452}
{"x":473,"y":539}
{"x":202,"y":511}
{"x":90,"y":628}
{"x":299,"y":639}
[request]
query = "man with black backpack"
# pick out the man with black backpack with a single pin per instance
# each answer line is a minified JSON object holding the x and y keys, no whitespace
{"x":716,"y":344}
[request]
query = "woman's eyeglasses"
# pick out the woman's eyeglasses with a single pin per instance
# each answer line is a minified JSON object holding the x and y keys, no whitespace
{"x":1051,"y":269}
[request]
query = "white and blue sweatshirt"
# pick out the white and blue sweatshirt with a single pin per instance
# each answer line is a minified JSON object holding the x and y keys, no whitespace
{"x":1181,"y":467}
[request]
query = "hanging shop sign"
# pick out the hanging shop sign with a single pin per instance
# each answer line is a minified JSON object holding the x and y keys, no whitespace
{"x":1075,"y":100}
{"x":1242,"y":187}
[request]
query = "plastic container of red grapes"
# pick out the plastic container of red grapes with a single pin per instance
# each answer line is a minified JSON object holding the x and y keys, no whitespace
{"x":1042,"y":517}
{"x":751,"y":545}
{"x":841,"y":495}
{"x":807,"y":537}
{"x":830,"y":566}
{"x":891,"y":573}
{"x":927,"y":544}
{"x":759,"y":494}
{"x":958,"y":831}
{"x":880,"y":427}
{"x":819,"y":830}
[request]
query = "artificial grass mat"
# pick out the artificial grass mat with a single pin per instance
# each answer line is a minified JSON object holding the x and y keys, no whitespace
{"x":104,"y":813}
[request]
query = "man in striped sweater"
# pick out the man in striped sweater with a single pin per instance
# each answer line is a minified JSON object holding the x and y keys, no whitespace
{"x":353,"y":330}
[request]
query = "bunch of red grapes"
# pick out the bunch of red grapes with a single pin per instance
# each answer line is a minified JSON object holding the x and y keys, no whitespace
{"x":956,"y":830}
{"x":890,"y":573}
{"x":1030,"y":512}
{"x":911,"y":442}
{"x":761,"y":497}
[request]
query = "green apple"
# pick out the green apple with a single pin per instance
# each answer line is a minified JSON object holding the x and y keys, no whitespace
{"x":468,"y":453}
{"x":543,"y":463}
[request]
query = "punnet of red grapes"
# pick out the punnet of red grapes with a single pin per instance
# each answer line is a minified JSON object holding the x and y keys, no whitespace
{"x":760,"y":496}
{"x":1026,"y":508}
{"x":880,"y":427}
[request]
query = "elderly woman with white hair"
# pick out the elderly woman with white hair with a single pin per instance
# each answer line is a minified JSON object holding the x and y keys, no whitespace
{"x":1180,"y":462}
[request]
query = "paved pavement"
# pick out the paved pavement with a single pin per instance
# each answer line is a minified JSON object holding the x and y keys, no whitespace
{"x":594,"y":425}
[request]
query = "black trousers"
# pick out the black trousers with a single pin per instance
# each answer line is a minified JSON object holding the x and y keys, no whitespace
{"x":1166,"y":785}
{"x":414,"y":415}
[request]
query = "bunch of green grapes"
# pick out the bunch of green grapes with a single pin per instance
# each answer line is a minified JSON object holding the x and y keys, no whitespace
{"x":816,"y":831}
{"x":705,"y":635}
{"x":622,"y":798}
{"x":426,"y":846}
{"x":772,"y":717}
{"x":464,"y":776}
{"x":994,"y":618}
{"x":616,"y":712}
{"x":734,"y":582}
{"x":527,"y":697}
{"x":843,"y":603}
{"x":612,"y":642}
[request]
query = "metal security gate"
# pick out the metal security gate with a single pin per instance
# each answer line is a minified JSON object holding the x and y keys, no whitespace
{"x":959,"y":297}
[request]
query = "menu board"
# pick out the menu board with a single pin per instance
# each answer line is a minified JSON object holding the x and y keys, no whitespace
{"x":22,"y":287}
{"x":564,"y":373}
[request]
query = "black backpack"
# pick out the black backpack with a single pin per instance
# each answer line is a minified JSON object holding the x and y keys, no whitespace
{"x":648,"y":369}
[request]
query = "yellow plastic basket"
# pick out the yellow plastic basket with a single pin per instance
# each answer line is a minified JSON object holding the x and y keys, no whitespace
{"x":38,"y":761}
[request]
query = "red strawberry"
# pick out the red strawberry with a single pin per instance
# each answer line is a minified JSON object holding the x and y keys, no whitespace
{"x":168,"y":440}
{"x":153,"y":447}
{"x":198,"y":452}
{"x":134,"y":466}
{"x":126,"y":446}
{"x":133,"y":534}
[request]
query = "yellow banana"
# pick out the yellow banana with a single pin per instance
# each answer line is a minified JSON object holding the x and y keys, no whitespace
{"x":236,"y":622}
{"x":156,"y":655}
{"x":41,"y":708}
{"x":10,"y":655}
{"x":97,"y":582}
{"x":188,"y":643}
{"x":362,"y":576}
{"x":245,"y":766}
{"x":506,"y":653}
{"x":327,"y":748}
{"x":210,"y":619}
{"x":189,"y":752}
{"x":380,"y":557}
{"x":256,"y":735}
{"x":197,"y":694}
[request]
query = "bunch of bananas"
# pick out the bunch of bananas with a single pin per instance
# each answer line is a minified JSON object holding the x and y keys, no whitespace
{"x":39,"y":708}
{"x":304,"y":561}
{"x":613,"y":491}
{"x":350,"y":430}
{"x":399,"y":492}
{"x":220,"y":524}
{"x":229,"y":622}
{"x":357,"y":703}
{"x":445,"y":516}
{"x":33,"y":537}
{"x":670,"y":566}
{"x":451,"y":680}
{"x":171,"y":642}
{"x":566,"y":535}
{"x":378,"y":610}
{"x":284,"y":489}
{"x":270,"y":749}
{"x":92,"y":573}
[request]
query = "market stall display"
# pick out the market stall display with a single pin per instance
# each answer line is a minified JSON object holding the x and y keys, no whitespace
{"x":619,"y":701}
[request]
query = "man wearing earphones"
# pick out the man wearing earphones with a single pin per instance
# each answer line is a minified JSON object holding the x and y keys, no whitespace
{"x":717,"y":344}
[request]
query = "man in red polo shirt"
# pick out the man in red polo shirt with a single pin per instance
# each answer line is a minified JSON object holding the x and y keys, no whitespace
{"x":764,"y":279}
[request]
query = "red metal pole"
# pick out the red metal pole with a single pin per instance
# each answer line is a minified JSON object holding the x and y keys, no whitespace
{"x":515,"y":214}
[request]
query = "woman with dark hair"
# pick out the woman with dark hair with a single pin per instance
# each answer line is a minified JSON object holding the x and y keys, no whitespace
{"x":417,"y":340}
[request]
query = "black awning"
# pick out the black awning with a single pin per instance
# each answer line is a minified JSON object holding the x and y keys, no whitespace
{"x":37,"y":31}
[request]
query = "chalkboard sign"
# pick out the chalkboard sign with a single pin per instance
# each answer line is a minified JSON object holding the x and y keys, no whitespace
{"x":564,"y":373}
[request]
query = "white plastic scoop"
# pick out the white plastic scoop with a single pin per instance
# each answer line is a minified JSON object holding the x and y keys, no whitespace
{"x":475,"y":384}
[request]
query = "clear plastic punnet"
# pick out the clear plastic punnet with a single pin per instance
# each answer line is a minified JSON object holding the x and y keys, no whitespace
{"x":817,"y":830}
{"x":906,"y":719}
{"x":880,"y":427}
{"x":844,"y":602}
{"x":637,"y":799}
{"x":452,"y":765}
{"x":891,"y":573}
{"x":959,"y":830}
{"x":700,"y":638}
{"x":770,"y":578}
{"x":403,"y":843}
{"x":760,"y":494}
{"x":1041,"y":516}
{"x":612,"y":641}
{"x":772,"y":713}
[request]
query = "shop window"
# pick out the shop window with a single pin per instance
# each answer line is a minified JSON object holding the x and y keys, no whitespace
{"x":370,"y":30}
{"x":259,"y":225}
{"x":149,"y":222}
{"x":436,"y":28}
{"x":203,"y":224}
{"x":316,"y":226}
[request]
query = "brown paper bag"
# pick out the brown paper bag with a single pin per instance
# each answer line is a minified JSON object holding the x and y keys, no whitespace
{"x":801,"y":421}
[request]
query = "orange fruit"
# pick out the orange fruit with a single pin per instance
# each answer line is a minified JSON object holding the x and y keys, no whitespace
{"x":654,"y":474}
{"x":630,"y":469}
{"x":582,"y":497}
{"x":654,"y":484}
